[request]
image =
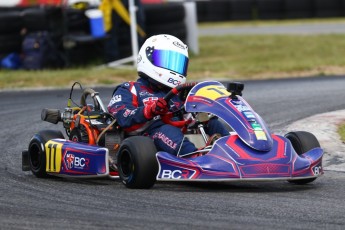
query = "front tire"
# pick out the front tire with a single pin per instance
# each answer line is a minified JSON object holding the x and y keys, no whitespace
{"x":137,"y":163}
{"x":37,"y":155}
{"x":302,"y":142}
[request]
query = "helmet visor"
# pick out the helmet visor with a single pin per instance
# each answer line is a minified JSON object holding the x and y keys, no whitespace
{"x":170,"y":60}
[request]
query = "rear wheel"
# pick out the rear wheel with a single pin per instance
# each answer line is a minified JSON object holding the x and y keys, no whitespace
{"x":137,"y":163}
{"x":302,"y":142}
{"x":37,"y":156}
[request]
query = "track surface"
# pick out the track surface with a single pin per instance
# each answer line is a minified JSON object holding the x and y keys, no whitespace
{"x":30,"y":203}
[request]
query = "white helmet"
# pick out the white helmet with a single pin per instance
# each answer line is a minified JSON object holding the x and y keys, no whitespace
{"x":163,"y":58}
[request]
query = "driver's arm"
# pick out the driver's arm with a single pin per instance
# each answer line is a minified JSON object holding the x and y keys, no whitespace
{"x":131,"y":113}
{"x":125,"y":107}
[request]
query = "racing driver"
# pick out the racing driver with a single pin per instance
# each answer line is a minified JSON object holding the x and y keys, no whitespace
{"x":162,"y":64}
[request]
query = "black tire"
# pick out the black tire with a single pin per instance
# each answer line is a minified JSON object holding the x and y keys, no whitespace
{"x":177,"y":29}
{"x":329,"y":8}
{"x":298,"y":9}
{"x":47,"y":18}
{"x":302,"y":142}
{"x":137,"y":163}
{"x":218,"y":11}
{"x":10,"y":22}
{"x":172,"y":13}
{"x":242,"y":10}
{"x":10,"y":43}
{"x":37,"y":156}
{"x":77,"y":21}
{"x":270,"y":9}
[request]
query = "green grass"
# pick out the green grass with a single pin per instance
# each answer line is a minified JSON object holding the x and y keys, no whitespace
{"x":88,"y":76}
{"x":269,"y":56}
{"x":341,"y":131}
{"x":229,"y":57}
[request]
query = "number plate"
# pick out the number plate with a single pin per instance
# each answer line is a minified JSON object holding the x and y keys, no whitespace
{"x":53,"y":156}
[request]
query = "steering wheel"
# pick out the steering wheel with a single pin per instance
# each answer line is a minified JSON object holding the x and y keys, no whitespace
{"x":92,"y":93}
{"x":166,"y":118}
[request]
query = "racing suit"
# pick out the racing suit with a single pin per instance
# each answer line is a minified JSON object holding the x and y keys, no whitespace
{"x":127,"y":105}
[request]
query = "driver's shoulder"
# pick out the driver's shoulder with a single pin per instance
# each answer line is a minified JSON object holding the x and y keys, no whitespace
{"x":125,"y":86}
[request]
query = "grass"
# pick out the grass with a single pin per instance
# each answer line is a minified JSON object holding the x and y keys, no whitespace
{"x":88,"y":76}
{"x":268,"y":56}
{"x":341,"y":131}
{"x":226,"y":57}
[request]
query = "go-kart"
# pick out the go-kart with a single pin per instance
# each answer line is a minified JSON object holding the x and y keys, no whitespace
{"x":98,"y":147}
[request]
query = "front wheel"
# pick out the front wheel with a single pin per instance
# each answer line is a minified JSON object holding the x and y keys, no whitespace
{"x":302,"y":142}
{"x":137,"y":163}
{"x":36,"y":151}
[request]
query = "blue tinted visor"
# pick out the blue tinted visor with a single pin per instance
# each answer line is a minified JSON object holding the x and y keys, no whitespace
{"x":170,"y":60}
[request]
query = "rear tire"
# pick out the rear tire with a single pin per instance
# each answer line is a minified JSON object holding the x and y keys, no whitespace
{"x":137,"y":163}
{"x":302,"y":142}
{"x":37,"y":156}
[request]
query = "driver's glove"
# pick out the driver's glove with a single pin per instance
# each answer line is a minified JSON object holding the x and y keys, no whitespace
{"x":155,"y":108}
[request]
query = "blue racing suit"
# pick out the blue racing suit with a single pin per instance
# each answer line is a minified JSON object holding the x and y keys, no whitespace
{"x":127,"y":105}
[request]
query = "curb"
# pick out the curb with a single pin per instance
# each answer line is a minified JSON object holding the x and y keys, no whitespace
{"x":324,"y":127}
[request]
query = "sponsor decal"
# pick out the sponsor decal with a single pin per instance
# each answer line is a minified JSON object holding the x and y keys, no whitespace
{"x":260,"y":135}
{"x":256,"y":126}
{"x":129,"y":112}
{"x":117,"y":108}
{"x":236,"y":102}
{"x":53,"y":156}
{"x":242,"y":108}
{"x":317,"y":170}
{"x":145,"y":94}
{"x":69,"y":160}
{"x":175,"y":174}
{"x":115,"y":99}
{"x":174,"y":82}
{"x":249,"y":115}
{"x":165,"y":139}
{"x":74,"y":162}
{"x":139,"y":59}
{"x":212,"y":92}
{"x":149,"y":100}
{"x":179,"y":45}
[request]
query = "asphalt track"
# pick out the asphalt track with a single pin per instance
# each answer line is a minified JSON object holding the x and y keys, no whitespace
{"x":27,"y":202}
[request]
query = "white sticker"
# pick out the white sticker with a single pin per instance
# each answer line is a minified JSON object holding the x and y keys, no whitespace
{"x":115,"y":99}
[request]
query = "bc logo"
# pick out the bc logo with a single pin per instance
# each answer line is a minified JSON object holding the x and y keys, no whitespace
{"x":175,"y":174}
{"x":174,"y":82}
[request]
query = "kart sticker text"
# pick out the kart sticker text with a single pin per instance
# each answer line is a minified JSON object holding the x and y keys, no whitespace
{"x":212,"y":92}
{"x":175,"y":174}
{"x":115,"y":99}
{"x":53,"y":156}
{"x":317,"y":170}
{"x":174,"y":82}
{"x":75,"y":162}
{"x":166,"y":140}
{"x":242,"y":108}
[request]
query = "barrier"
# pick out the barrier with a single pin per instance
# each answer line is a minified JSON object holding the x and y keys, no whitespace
{"x":224,"y":10}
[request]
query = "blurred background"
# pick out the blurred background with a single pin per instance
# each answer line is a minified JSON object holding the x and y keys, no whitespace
{"x":41,"y":34}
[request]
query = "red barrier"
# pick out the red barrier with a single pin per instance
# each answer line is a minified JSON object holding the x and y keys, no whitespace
{"x":40,"y":2}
